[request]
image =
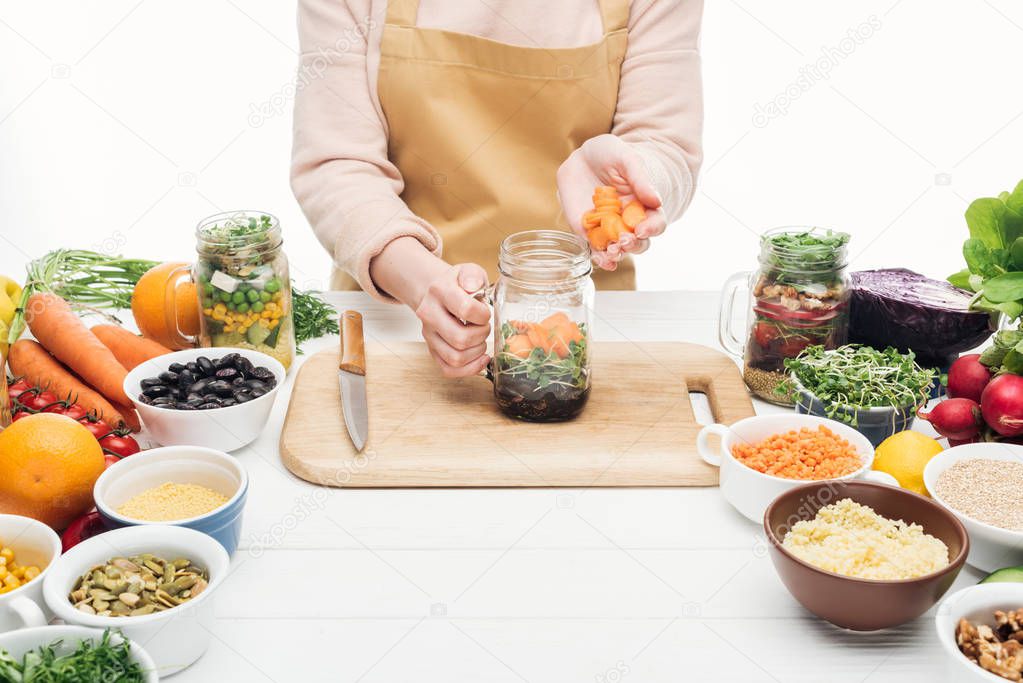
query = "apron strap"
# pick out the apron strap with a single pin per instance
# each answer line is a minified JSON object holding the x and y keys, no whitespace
{"x":614,"y":14}
{"x":402,"y":12}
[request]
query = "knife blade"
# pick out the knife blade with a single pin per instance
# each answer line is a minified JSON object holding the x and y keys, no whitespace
{"x":351,"y":377}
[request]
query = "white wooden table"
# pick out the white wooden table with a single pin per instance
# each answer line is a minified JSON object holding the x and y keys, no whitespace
{"x":524,"y":584}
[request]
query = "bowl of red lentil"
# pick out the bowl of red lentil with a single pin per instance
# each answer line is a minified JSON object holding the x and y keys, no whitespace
{"x":982,"y":485}
{"x":190,"y":486}
{"x":762,"y":457}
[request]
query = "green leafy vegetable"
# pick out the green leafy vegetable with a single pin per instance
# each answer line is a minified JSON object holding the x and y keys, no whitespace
{"x":86,"y":279}
{"x":806,"y":251}
{"x":854,"y":377}
{"x":313,"y":316}
{"x":994,"y":254}
{"x":546,"y":368}
{"x":89,"y":663}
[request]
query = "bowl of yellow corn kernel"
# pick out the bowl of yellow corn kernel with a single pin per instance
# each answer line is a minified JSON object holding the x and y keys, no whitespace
{"x":27,"y":549}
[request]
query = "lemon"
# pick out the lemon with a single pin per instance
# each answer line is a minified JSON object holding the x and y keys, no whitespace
{"x":904,"y":456}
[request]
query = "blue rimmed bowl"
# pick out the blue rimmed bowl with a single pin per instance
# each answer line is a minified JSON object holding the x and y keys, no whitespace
{"x":207,"y":467}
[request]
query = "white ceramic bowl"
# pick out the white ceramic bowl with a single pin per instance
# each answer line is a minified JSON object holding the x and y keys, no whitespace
{"x":225,"y":429}
{"x":749,"y":491}
{"x":991,"y":547}
{"x":34,"y":544}
{"x":207,"y":467}
{"x":978,"y":604}
{"x":18,"y":643}
{"x":174,"y":638}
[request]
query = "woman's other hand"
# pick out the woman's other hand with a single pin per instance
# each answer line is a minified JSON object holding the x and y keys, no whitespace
{"x":607,"y":160}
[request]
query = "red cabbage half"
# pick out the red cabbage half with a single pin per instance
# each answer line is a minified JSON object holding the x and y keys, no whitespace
{"x":900,"y":308}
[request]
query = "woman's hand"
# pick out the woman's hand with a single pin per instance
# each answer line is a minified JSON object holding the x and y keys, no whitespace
{"x":455,"y":325}
{"x":607,"y":160}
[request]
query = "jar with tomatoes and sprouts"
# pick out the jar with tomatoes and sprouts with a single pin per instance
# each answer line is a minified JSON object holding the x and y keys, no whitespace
{"x":799,"y":298}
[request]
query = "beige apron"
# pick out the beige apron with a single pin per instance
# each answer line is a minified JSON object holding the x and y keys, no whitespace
{"x":478,"y":128}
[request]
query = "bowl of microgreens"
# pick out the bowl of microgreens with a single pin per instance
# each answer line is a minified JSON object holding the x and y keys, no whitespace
{"x":875,"y":392}
{"x":73,"y":653}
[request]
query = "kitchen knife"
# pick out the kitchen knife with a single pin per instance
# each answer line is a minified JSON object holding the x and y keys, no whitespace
{"x":351,"y":377}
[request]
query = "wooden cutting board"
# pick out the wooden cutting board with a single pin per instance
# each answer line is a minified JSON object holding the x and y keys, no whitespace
{"x":638,"y":428}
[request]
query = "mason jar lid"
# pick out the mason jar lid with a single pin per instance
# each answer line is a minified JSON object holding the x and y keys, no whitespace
{"x":233,"y":231}
{"x":544,"y":256}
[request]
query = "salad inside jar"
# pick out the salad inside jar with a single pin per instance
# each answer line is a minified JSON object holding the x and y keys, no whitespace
{"x":800,"y":299}
{"x":242,"y":276}
{"x":542,"y":369}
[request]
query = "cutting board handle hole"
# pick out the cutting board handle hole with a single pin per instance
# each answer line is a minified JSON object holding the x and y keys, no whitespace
{"x":701,"y":408}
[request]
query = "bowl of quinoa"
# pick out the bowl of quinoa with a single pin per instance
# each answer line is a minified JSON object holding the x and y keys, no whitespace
{"x":861,"y":555}
{"x":982,"y":485}
{"x":190,"y":486}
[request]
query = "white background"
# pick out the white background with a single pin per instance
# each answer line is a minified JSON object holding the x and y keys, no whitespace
{"x":123,"y":122}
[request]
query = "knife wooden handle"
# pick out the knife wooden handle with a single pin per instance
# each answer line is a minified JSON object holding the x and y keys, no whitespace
{"x":353,"y":352}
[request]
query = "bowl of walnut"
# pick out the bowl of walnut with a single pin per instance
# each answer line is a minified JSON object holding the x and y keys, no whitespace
{"x":980,"y":629}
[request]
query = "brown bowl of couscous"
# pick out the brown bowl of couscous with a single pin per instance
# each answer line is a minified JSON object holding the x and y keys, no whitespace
{"x":861,"y":555}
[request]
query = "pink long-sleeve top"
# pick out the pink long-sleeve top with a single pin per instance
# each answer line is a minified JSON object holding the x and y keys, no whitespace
{"x":341,"y":175}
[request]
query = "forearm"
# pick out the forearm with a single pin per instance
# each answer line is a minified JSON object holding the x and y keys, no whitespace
{"x":404,"y":269}
{"x":660,"y":101}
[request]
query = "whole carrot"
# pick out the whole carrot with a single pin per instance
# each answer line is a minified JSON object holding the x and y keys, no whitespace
{"x":64,"y":335}
{"x":129,"y":349}
{"x":30,"y":360}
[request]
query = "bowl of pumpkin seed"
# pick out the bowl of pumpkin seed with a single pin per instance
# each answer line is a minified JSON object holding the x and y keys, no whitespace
{"x":155,"y":583}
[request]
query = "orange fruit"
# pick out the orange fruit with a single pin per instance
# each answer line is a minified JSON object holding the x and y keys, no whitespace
{"x":48,"y":466}
{"x":149,"y":306}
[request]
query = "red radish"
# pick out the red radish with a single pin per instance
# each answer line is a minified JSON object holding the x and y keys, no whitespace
{"x":967,"y":377}
{"x":955,"y":418}
{"x":1002,"y":404}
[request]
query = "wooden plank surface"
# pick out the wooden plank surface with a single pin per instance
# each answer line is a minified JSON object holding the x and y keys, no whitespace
{"x":638,"y":428}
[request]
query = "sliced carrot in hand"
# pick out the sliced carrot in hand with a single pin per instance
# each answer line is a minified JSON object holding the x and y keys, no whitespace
{"x":613,"y":225}
{"x":633,"y":214}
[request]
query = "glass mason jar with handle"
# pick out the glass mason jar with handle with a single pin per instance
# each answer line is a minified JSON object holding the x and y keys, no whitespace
{"x":243,"y":285}
{"x":542,"y":301}
{"x":798,"y":297}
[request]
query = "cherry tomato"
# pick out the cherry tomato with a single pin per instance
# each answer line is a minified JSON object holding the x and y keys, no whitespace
{"x":75,"y":411}
{"x":794,"y":346}
{"x":39,"y":401}
{"x":98,"y":429}
{"x":119,"y":445}
{"x":16,"y":389}
{"x":88,"y":525}
{"x":18,"y":414}
{"x":59,"y":407}
{"x":110,"y":459}
{"x":765,"y":333}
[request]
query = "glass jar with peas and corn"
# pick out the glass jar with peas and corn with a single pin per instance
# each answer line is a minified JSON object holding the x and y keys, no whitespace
{"x":244,"y":285}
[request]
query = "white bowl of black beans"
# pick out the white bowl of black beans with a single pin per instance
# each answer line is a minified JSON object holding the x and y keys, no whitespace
{"x":214,"y":397}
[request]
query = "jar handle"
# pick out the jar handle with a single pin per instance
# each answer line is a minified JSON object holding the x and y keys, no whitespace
{"x":726,"y":332}
{"x":170,"y":308}
{"x":485,"y":295}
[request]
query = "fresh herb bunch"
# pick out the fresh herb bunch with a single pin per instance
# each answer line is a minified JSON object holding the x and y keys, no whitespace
{"x":994,"y":254}
{"x":313,"y":316}
{"x":87,"y":280}
{"x":809,"y":250}
{"x":89,"y":663}
{"x":852,"y":377}
{"x":546,"y":368}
